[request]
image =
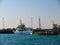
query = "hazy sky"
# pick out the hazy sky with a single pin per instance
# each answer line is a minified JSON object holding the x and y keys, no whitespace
{"x":14,"y":10}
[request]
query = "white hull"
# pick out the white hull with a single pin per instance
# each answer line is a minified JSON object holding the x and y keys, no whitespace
{"x":21,"y":31}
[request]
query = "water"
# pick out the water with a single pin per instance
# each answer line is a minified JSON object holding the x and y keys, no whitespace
{"x":22,"y":39}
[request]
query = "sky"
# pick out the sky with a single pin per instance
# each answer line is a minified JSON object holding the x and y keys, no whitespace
{"x":14,"y":10}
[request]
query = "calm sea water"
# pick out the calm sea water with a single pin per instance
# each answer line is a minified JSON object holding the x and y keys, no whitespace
{"x":22,"y":39}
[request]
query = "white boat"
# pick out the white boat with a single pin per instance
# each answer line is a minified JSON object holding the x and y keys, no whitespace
{"x":23,"y":31}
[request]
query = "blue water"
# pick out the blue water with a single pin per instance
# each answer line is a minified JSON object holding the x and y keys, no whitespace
{"x":22,"y":39}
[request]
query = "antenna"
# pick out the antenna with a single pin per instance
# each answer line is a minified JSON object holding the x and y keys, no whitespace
{"x":3,"y":22}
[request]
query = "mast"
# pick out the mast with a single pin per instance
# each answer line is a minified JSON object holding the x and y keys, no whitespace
{"x":3,"y":22}
{"x":39,"y":23}
{"x":53,"y":24}
{"x":31,"y":23}
{"x":20,"y":22}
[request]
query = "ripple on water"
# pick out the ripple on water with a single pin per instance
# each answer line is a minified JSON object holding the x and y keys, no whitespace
{"x":22,"y":39}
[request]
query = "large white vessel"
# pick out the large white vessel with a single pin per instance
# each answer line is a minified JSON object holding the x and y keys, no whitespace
{"x":23,"y":31}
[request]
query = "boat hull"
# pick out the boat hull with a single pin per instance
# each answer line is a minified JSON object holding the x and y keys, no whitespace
{"x":27,"y":31}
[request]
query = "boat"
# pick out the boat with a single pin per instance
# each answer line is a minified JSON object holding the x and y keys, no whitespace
{"x":23,"y":31}
{"x":45,"y":32}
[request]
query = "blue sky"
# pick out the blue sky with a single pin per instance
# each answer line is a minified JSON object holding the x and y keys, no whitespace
{"x":14,"y":10}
